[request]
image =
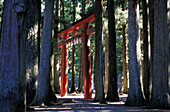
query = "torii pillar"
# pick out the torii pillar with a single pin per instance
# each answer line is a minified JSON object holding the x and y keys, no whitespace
{"x":64,"y":73}
{"x":86,"y":64}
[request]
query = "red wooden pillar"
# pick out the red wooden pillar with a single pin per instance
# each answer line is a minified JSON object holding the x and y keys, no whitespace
{"x":86,"y":64}
{"x":64,"y":73}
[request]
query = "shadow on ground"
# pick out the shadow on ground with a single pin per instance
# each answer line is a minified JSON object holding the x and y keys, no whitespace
{"x":76,"y":103}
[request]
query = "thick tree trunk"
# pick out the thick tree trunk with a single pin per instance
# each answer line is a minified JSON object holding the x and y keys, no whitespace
{"x":146,"y":69}
{"x":32,"y":48}
{"x":106,"y":65}
{"x":112,"y":94}
{"x":42,"y":91}
{"x":135,"y":97}
{"x":160,"y":95}
{"x":12,"y":57}
{"x":99,"y":86}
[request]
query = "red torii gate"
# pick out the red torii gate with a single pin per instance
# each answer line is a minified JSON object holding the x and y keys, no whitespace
{"x":86,"y":32}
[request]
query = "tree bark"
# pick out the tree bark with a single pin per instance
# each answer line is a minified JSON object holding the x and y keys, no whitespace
{"x":32,"y":48}
{"x":135,"y":97}
{"x":125,"y":70}
{"x":73,"y":88}
{"x":125,"y":78}
{"x":12,"y":57}
{"x":160,"y":94}
{"x":151,"y":38}
{"x":99,"y":87}
{"x":106,"y":64}
{"x":112,"y":94}
{"x":146,"y":70}
{"x":83,"y":7}
{"x":56,"y":50}
{"x":43,"y":87}
{"x":169,"y":45}
{"x":63,"y":15}
{"x":80,"y":87}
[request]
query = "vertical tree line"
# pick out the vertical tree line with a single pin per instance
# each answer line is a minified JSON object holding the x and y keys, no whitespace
{"x":22,"y":63}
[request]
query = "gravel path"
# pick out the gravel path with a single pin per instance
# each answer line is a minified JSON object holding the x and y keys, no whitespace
{"x":76,"y":103}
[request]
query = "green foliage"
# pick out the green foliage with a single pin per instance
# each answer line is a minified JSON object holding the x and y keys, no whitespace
{"x":121,"y":18}
{"x":1,"y":10}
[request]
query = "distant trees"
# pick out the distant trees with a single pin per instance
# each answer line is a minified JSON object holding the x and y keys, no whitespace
{"x":56,"y":50}
{"x":20,"y":43}
{"x":73,"y":88}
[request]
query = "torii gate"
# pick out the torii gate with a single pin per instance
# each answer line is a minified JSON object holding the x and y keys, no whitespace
{"x":85,"y":33}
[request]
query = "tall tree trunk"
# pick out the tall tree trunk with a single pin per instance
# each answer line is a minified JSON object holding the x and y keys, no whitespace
{"x":73,"y":88}
{"x":135,"y":97}
{"x":80,"y":87}
{"x":83,"y":7}
{"x":160,"y":95}
{"x":125,"y":78}
{"x":169,"y":44}
{"x":56,"y":50}
{"x":12,"y":57}
{"x":63,"y":15}
{"x":99,"y":94}
{"x":146,"y":70}
{"x":92,"y":47}
{"x":112,"y":94}
{"x":151,"y":38}
{"x":43,"y":89}
{"x":32,"y":48}
{"x":125,"y":68}
{"x":106,"y":64}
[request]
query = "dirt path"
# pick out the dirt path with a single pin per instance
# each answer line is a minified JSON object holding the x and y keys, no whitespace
{"x":76,"y":103}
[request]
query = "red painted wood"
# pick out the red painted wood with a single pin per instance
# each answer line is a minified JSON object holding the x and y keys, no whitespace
{"x":86,"y":64}
{"x":64,"y":73}
{"x":78,"y":25}
{"x":90,"y":31}
{"x":60,"y":45}
{"x":86,"y":53}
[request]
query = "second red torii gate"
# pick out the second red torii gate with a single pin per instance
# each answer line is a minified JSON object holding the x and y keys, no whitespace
{"x":86,"y":32}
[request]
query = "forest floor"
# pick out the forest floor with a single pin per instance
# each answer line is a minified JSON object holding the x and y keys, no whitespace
{"x":76,"y":103}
